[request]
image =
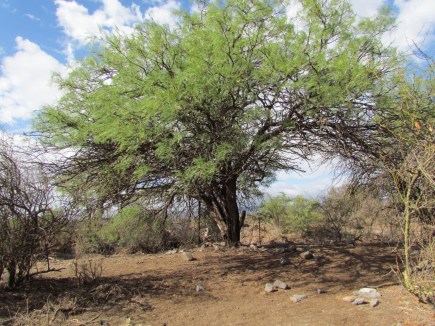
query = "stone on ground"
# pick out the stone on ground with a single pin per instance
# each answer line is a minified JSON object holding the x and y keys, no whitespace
{"x":284,"y":261}
{"x":307,"y":255}
{"x":297,"y":297}
{"x":359,"y":301}
{"x":368,"y":293}
{"x":374,"y":302}
{"x":199,"y":288}
{"x":349,"y":298}
{"x":280,"y":285}
{"x":187,"y":256}
{"x":269,"y":288}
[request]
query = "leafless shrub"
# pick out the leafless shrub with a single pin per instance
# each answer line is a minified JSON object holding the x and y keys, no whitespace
{"x":30,"y":214}
{"x":350,"y":214}
{"x":51,"y":314}
{"x":87,"y":270}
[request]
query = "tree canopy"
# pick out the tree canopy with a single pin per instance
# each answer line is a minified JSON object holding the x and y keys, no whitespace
{"x":212,"y":108}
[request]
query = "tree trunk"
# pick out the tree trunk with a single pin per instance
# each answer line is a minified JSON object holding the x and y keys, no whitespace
{"x":12,"y":270}
{"x":232,"y":210}
{"x":225,"y":211}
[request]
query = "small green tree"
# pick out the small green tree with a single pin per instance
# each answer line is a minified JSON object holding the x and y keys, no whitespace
{"x":290,"y":214}
{"x":212,"y":108}
{"x":134,"y":230}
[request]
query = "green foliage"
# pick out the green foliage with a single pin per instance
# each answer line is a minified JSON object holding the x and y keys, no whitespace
{"x":295,"y":214}
{"x":219,"y":103}
{"x":133,"y":230}
{"x":89,"y":239}
{"x":130,"y":229}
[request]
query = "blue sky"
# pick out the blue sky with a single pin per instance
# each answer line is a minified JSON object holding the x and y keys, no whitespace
{"x":38,"y":37}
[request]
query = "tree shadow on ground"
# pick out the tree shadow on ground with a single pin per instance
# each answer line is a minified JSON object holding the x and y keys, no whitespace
{"x":335,"y":268}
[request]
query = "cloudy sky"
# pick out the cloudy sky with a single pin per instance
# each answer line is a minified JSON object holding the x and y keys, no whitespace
{"x":39,"y":37}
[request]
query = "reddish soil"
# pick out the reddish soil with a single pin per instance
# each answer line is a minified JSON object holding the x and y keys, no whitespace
{"x":160,"y":289}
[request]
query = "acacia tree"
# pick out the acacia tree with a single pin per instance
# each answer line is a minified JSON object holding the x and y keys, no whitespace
{"x":212,"y":108}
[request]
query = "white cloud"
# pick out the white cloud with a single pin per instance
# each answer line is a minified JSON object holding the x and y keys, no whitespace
{"x":81,"y":26}
{"x":366,"y":8}
{"x":415,"y":20}
{"x":32,"y":17}
{"x":316,"y":179}
{"x":162,"y":14}
{"x":416,"y":23}
{"x":25,"y":81}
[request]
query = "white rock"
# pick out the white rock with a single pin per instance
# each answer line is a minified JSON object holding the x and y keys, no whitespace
{"x":350,"y":298}
{"x":359,"y":301}
{"x":280,"y":285}
{"x":187,"y":256}
{"x":269,"y":288}
{"x":368,"y":293}
{"x":297,"y":297}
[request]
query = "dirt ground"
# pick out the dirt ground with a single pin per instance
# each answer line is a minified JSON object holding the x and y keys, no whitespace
{"x":160,"y":289}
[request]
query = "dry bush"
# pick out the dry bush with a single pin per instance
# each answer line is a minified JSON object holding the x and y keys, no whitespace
{"x":258,"y":231}
{"x":51,"y":314}
{"x":31,"y":215}
{"x":87,"y":270}
{"x":351,"y":214}
{"x":422,"y":275}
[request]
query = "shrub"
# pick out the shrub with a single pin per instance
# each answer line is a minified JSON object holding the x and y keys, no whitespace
{"x":349,"y":214}
{"x":290,"y":214}
{"x":28,"y":221}
{"x":133,"y":229}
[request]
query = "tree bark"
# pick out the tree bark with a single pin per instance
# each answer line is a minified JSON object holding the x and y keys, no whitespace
{"x":232,"y":211}
{"x":225,"y":211}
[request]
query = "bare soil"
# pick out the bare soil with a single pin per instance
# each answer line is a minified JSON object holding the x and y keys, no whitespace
{"x":160,"y":289}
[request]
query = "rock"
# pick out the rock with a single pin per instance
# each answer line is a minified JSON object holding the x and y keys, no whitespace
{"x":199,"y":288}
{"x":350,"y":298}
{"x":374,"y":302}
{"x":280,"y":285}
{"x":269,"y":288}
{"x":253,"y":247}
{"x":368,"y":293}
{"x":187,"y":256}
{"x":359,"y":301}
{"x":284,"y":261}
{"x":291,"y":248}
{"x":223,"y":244}
{"x":297,"y":297}
{"x":320,"y":291}
{"x":281,"y":250}
{"x":307,"y":255}
{"x":171,"y":252}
